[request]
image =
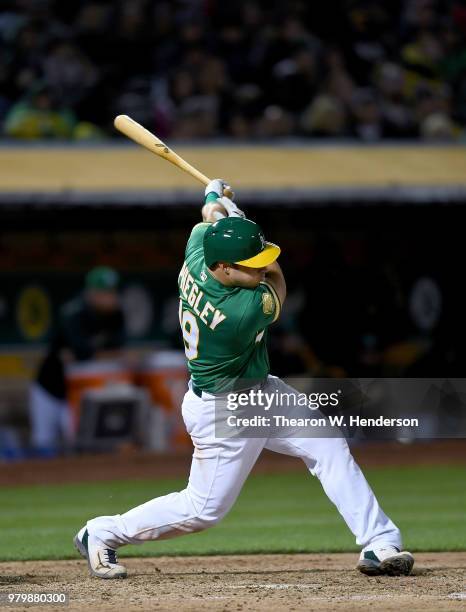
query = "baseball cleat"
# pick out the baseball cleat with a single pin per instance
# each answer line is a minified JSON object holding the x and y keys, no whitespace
{"x":102,"y":561}
{"x":388,"y":561}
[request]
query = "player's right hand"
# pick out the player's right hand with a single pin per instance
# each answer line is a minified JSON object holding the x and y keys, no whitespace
{"x":231,"y":208}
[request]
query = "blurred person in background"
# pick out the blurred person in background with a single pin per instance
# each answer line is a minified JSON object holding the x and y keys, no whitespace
{"x":438,"y":127}
{"x":91,"y":326}
{"x":39,"y":116}
{"x":69,"y":73}
{"x":367,"y":122}
{"x":325,"y":116}
{"x":397,"y":116}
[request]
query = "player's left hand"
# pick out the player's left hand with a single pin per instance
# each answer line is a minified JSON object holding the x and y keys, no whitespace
{"x":220,"y":188}
{"x":215,"y":186}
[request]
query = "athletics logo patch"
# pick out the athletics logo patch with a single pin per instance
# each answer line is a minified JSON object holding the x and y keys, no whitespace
{"x":267,"y":303}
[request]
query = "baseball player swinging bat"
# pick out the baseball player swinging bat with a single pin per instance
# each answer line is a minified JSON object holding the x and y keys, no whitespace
{"x":231,"y":290}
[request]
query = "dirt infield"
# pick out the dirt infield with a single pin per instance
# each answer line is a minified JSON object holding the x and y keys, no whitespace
{"x":133,"y":464}
{"x":256,"y":582}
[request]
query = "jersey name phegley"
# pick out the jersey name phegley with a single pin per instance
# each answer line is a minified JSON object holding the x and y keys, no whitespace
{"x":193,"y":295}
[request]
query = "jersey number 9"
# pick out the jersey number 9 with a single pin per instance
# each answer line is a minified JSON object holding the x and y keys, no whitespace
{"x":190,"y":330}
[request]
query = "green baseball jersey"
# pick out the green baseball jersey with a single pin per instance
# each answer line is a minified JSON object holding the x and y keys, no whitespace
{"x":224,"y":328}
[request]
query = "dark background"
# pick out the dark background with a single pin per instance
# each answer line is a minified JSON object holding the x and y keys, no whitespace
{"x":243,"y":69}
{"x":351,"y":272}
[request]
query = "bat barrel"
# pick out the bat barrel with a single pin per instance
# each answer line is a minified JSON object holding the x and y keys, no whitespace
{"x":139,"y":134}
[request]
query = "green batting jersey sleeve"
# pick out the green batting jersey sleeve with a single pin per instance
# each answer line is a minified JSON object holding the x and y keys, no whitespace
{"x":195,"y":242}
{"x":224,"y":328}
{"x":261,"y":309}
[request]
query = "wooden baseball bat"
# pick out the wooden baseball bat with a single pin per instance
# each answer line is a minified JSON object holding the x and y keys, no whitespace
{"x":139,"y":134}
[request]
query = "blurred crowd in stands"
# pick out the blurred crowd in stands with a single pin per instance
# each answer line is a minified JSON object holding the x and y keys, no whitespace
{"x":248,"y":69}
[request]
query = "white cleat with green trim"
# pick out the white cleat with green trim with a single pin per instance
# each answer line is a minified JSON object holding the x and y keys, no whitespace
{"x":387,"y":560}
{"x":102,"y":561}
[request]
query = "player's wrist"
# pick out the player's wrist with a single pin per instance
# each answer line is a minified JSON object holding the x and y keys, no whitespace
{"x":211,"y":197}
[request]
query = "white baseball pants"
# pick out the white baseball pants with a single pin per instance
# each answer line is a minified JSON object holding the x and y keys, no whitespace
{"x":219,"y":469}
